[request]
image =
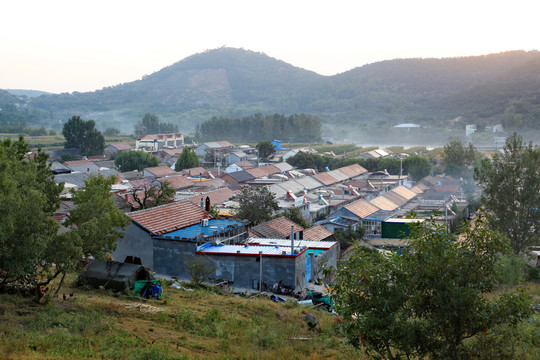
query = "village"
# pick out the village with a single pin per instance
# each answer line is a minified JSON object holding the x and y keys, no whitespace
{"x":199,"y":221}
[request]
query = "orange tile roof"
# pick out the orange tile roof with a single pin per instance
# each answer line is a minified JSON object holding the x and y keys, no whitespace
{"x":178,"y":181}
{"x":263,"y":171}
{"x":166,"y":218}
{"x":161,"y":170}
{"x":283,"y":226}
{"x":325,"y":178}
{"x":317,"y":233}
{"x":245,"y":165}
{"x":195,"y":171}
{"x":383,"y":203}
{"x":361,"y":208}
{"x":78,"y":162}
{"x":216,"y":197}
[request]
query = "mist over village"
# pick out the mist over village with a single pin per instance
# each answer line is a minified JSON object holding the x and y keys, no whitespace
{"x":227,"y":204}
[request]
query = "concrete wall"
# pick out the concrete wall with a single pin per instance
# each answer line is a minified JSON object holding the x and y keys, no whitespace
{"x":172,"y":257}
{"x":243,"y":270}
{"x":136,"y":242}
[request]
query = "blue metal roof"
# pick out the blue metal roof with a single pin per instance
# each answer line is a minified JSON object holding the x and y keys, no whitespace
{"x":215,"y":226}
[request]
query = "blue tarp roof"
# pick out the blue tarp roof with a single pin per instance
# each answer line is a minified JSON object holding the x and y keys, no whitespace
{"x":215,"y":226}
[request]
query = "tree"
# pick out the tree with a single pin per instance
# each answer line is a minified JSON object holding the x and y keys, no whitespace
{"x":458,"y":158}
{"x":257,"y":204}
{"x":150,"y":124}
{"x":187,"y":160}
{"x":155,"y":194}
{"x":295,"y":215}
{"x":28,"y":198}
{"x":96,"y":221}
{"x":135,"y":160}
{"x":511,"y":192}
{"x":32,"y":252}
{"x":418,"y":167}
{"x":111,"y":131}
{"x":429,"y":300}
{"x":265,"y":149}
{"x":83,"y":135}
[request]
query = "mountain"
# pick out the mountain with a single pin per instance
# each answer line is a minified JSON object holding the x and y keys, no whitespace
{"x":236,"y":82}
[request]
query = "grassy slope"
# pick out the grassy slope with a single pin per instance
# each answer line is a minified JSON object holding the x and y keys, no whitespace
{"x":187,"y":325}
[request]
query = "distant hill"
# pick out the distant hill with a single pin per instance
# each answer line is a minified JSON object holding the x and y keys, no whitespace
{"x":29,"y":93}
{"x":236,"y":82}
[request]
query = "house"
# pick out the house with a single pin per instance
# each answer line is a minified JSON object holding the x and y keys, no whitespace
{"x":318,"y":233}
{"x":237,"y":177}
{"x":374,"y":154}
{"x":235,"y":156}
{"x":56,"y":155}
{"x":279,"y":228}
{"x":221,"y":147}
{"x":82,"y":166}
{"x":158,"y":171}
{"x":166,"y":237}
{"x":178,"y":182}
{"x":197,"y":172}
{"x":261,"y":263}
{"x":159,"y":141}
{"x":118,"y":148}
{"x":169,"y":156}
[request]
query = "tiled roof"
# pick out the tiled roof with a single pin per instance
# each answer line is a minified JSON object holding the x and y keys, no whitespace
{"x":245,"y":164}
{"x":383,"y":203}
{"x":173,"y":152}
{"x":197,"y":171}
{"x":241,"y":176}
{"x":122,"y":146}
{"x":166,"y":218}
{"x":224,"y":143}
{"x":78,"y":162}
{"x":361,"y":208}
{"x":216,"y":197}
{"x":325,"y":178}
{"x":353,"y":170}
{"x":161,"y":171}
{"x":264,"y":171}
{"x":265,"y":231}
{"x":283,"y":166}
{"x":178,"y":181}
{"x":395,"y":198}
{"x":338,"y":175}
{"x":403,"y":191}
{"x":317,"y":233}
{"x":283,"y":226}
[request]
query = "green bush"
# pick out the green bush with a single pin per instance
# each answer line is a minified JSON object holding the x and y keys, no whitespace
{"x":509,"y":270}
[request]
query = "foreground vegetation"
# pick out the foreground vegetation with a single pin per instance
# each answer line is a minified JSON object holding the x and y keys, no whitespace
{"x":186,"y":324}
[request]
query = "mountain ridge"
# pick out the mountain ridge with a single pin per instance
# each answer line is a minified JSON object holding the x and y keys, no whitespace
{"x":237,"y":82}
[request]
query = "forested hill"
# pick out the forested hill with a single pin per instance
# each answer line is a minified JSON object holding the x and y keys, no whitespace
{"x":236,"y":82}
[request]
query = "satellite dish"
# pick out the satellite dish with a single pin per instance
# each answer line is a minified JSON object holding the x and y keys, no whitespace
{"x":216,"y":242}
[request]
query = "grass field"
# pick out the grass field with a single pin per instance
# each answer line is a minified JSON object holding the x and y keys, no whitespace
{"x":49,"y":142}
{"x":184,"y":325}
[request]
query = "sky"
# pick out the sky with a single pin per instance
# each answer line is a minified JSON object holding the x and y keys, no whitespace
{"x":65,"y":46}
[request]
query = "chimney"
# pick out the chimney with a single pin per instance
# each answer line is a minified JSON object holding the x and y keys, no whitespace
{"x":207,"y":204}
{"x":292,"y":239}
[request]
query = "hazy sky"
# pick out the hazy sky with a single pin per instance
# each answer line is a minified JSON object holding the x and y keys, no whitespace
{"x":65,"y":46}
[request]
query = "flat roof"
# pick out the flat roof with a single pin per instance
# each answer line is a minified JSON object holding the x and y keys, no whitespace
{"x":250,"y":250}
{"x":404,"y":220}
{"x":287,"y":242}
{"x":215,"y":226}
